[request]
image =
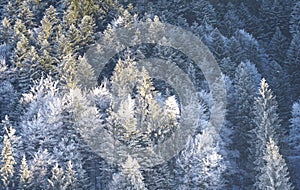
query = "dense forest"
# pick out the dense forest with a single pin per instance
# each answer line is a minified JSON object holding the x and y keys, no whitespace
{"x":81,"y":110}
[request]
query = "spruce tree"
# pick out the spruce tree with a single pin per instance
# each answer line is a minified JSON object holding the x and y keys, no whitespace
{"x":267,"y":125}
{"x":200,"y":165}
{"x":130,"y":177}
{"x":25,"y":175}
{"x":292,"y":65}
{"x":246,"y":83}
{"x":275,"y":171}
{"x":295,"y":19}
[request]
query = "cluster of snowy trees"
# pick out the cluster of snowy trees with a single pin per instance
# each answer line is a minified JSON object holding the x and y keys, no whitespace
{"x":54,"y":106}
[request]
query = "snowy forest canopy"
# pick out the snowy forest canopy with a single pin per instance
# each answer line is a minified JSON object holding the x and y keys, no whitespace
{"x":53,"y":99}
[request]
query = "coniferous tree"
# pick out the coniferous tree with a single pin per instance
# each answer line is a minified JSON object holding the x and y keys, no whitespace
{"x":39,"y":167}
{"x":57,"y":180}
{"x":292,"y":64}
{"x":6,"y":31}
{"x":87,"y":29}
{"x":25,"y":175}
{"x":278,"y":46}
{"x":200,"y":165}
{"x":26,"y":15}
{"x":295,"y":19}
{"x":85,"y":74}
{"x":267,"y":125}
{"x":246,"y":83}
{"x":275,"y":172}
{"x":130,"y":176}
{"x":294,"y":138}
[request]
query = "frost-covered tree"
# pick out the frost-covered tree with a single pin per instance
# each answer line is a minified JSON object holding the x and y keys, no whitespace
{"x":231,"y":22}
{"x":275,"y":174}
{"x":68,"y":75}
{"x":26,"y":15}
{"x":25,"y":175}
{"x":48,"y":33}
{"x":267,"y":125}
{"x":8,"y":98}
{"x":278,"y":46}
{"x":57,"y":180}
{"x":85,"y":74}
{"x":294,"y":137}
{"x":295,"y":19}
{"x":129,"y":177}
{"x":6,"y":31}
{"x":42,"y":122}
{"x":294,"y":141}
{"x":200,"y":165}
{"x":39,"y":166}
{"x":293,"y":65}
{"x":87,"y":32}
{"x":246,"y":82}
{"x":8,"y":163}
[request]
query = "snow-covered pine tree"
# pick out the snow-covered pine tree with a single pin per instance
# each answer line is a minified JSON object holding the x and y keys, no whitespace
{"x":200,"y":165}
{"x":130,"y":177}
{"x":85,"y":74}
{"x":295,"y":19}
{"x":25,"y":175}
{"x":267,"y":125}
{"x":7,"y":169}
{"x":57,"y":180}
{"x":246,"y":83}
{"x":87,"y":32}
{"x":293,"y":65}
{"x":26,"y":15}
{"x":39,"y":166}
{"x":275,"y":174}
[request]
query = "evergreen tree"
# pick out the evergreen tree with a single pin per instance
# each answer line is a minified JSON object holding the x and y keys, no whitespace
{"x":231,"y":22}
{"x":70,"y":177}
{"x":47,"y":39}
{"x":8,"y":98}
{"x":85,"y":74}
{"x":294,"y":138}
{"x":295,"y":19}
{"x":6,"y":31}
{"x":26,"y":15}
{"x":275,"y":171}
{"x":278,"y":46}
{"x":130,"y":177}
{"x":245,"y":84}
{"x":293,"y":65}
{"x":25,"y":175}
{"x":8,"y":156}
{"x":57,"y":180}
{"x":7,"y":163}
{"x":68,"y":71}
{"x":39,"y":167}
{"x":267,"y":125}
{"x":200,"y":165}
{"x":87,"y":29}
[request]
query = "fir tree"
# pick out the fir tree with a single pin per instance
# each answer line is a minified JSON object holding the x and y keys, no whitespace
{"x":25,"y":175}
{"x":278,"y":46}
{"x":292,"y":64}
{"x":245,"y":83}
{"x":275,"y":171}
{"x":87,"y":29}
{"x":7,"y":164}
{"x":57,"y":180}
{"x":267,"y":125}
{"x":130,"y":177}
{"x":85,"y":74}
{"x":200,"y":165}
{"x":295,"y":19}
